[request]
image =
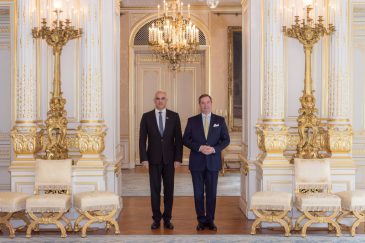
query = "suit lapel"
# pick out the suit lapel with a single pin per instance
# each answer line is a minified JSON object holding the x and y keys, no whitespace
{"x":167,"y":122}
{"x":153,"y":117}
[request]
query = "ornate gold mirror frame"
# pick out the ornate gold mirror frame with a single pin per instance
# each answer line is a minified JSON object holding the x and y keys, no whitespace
{"x":235,"y":78}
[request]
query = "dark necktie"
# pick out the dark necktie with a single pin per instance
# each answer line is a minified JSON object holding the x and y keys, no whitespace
{"x":160,"y":124}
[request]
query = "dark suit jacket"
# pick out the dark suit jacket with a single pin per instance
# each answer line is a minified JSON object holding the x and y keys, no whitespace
{"x":194,"y":137}
{"x":167,"y":148}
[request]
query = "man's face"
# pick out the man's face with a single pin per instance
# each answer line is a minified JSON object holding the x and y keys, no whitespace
{"x":205,"y":105}
{"x":160,"y":100}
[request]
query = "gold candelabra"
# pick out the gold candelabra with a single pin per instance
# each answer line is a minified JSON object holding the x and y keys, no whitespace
{"x":56,"y":36}
{"x":308,"y":33}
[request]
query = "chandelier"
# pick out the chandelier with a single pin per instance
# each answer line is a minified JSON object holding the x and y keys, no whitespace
{"x":173,"y":37}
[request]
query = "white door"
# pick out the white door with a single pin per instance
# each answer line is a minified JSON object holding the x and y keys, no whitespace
{"x":183,"y":88}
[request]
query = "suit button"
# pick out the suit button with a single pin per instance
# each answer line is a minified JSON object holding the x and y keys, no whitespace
{"x":161,"y":140}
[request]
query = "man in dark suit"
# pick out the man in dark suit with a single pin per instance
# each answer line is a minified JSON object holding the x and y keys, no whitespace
{"x":163,"y":154}
{"x":206,"y":135}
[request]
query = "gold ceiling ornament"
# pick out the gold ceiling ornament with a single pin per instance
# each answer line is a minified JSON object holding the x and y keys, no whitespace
{"x":308,"y":33}
{"x":56,"y":36}
{"x":174,"y":38}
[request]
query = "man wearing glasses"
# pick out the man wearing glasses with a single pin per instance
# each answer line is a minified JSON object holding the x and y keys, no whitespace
{"x":162,"y":128}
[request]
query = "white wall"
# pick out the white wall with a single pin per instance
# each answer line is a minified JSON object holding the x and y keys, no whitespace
{"x":6,"y":13}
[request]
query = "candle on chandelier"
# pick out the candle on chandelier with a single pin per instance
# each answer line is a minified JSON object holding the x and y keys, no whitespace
{"x":189,"y":11}
{"x":158,"y":11}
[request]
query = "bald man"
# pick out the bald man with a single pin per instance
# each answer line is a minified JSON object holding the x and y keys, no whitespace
{"x":162,"y":129}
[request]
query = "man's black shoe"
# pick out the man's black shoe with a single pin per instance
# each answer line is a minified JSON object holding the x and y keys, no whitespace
{"x":168,"y":225}
{"x":212,"y":227}
{"x":155,"y":225}
{"x":200,"y":227}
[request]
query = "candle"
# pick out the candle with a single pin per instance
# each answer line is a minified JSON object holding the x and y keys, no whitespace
{"x":307,"y":2}
{"x":189,"y":11}
{"x":158,"y":9}
{"x":57,"y":4}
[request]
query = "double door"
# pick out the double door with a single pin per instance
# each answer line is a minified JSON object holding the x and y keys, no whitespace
{"x":183,"y":88}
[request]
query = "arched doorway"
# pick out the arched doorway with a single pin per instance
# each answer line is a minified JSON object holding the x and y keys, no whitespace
{"x":147,"y":75}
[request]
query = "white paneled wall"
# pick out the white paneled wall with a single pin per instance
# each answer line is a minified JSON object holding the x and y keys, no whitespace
{"x":358,"y":88}
{"x":5,"y":94}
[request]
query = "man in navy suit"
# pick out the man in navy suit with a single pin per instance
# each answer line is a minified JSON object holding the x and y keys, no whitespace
{"x":206,"y":135}
{"x":162,"y":129}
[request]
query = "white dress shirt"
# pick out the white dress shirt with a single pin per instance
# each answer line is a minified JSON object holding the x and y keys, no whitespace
{"x":163,"y":114}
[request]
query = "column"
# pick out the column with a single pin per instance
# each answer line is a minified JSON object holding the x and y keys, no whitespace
{"x":26,"y":135}
{"x":92,"y":130}
{"x":339,"y":110}
{"x":272,"y":132}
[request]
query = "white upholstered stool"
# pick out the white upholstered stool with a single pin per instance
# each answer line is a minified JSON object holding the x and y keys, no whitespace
{"x":353,"y":203}
{"x":12,"y":204}
{"x":96,"y":207}
{"x":271,"y":207}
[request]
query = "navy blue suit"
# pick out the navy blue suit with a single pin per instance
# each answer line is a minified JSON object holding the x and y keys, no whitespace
{"x":205,"y":168}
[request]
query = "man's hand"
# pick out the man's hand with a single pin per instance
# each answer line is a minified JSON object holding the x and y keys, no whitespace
{"x":207,"y":150}
{"x":177,"y":164}
{"x":145,"y":164}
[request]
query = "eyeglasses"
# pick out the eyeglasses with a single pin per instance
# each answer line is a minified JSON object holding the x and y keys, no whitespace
{"x":162,"y":98}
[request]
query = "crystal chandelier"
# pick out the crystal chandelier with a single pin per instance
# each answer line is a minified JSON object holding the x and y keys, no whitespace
{"x":212,"y":3}
{"x":173,"y":37}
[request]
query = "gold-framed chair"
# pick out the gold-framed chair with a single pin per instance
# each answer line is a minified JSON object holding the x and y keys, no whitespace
{"x":96,"y":206}
{"x":353,"y":205}
{"x":52,"y":199}
{"x":313,"y":195}
{"x":229,"y":155}
{"x":271,"y":207}
{"x":12,"y":206}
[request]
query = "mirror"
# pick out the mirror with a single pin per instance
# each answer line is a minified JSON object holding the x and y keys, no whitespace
{"x":235,"y":78}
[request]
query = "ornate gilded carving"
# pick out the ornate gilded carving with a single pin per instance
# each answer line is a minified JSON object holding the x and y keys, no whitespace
{"x":271,"y":216}
{"x":272,"y":139}
{"x":57,"y":36}
{"x":26,"y":139}
{"x":340,"y":139}
{"x":308,"y":33}
{"x":91,"y":139}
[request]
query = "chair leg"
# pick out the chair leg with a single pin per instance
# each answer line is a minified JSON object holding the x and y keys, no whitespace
{"x":68,"y":225}
{"x":298,"y":222}
{"x":360,"y":218}
{"x":46,"y":218}
{"x":96,"y":216}
{"x":5,"y":220}
{"x":78,"y":221}
{"x":271,"y":216}
{"x":314,"y":218}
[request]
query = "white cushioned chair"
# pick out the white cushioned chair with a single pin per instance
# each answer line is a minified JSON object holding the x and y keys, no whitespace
{"x":52,"y":198}
{"x":314,"y":197}
{"x":12,"y":206}
{"x":272,"y":207}
{"x":353,"y":204}
{"x":96,"y":206}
